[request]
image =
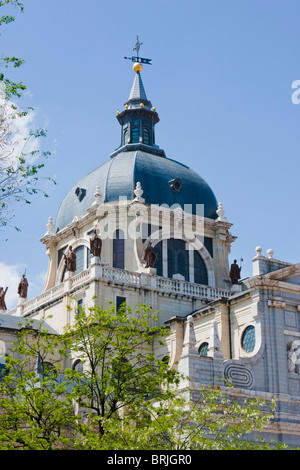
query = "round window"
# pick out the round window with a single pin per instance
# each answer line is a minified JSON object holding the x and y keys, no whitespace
{"x":248,"y":339}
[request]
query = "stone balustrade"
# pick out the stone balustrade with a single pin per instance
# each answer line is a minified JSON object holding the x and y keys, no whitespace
{"x":123,"y":277}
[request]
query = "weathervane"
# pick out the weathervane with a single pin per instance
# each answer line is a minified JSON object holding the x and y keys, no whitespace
{"x":136,"y":58}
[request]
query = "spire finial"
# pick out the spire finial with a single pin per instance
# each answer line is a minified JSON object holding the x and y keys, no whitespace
{"x":137,"y":66}
{"x":137,"y":47}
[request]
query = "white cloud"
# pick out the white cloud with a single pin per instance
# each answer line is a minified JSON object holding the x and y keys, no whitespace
{"x":15,"y":135}
{"x":10,"y":277}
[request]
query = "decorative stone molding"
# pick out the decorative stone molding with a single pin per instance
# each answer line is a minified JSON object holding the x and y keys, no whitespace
{"x":276,"y":304}
{"x":239,"y":375}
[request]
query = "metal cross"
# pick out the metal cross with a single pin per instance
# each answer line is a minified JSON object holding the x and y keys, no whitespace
{"x":137,"y":46}
{"x":136,"y":58}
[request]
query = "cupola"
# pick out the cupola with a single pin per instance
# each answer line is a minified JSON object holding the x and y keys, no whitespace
{"x":138,"y":120}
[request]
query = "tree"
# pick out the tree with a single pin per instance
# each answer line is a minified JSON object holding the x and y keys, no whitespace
{"x":9,"y":87}
{"x":36,"y":413}
{"x":121,"y":396}
{"x":119,"y":368}
{"x":20,"y":157}
{"x":214,"y":422}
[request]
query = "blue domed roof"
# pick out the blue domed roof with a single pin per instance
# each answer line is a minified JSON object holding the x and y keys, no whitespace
{"x":164,"y":181}
{"x":139,"y":159}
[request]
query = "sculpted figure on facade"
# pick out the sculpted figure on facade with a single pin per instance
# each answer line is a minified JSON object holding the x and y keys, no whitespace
{"x":70,"y":260}
{"x":150,"y":257}
{"x":23,"y":287}
{"x":95,"y":244}
{"x":292,"y":357}
{"x":235,"y":273}
{"x":2,"y":298}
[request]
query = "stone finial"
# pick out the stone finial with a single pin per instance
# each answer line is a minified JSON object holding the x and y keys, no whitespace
{"x":220,"y":211}
{"x":50,"y":227}
{"x":270,"y":253}
{"x":138,"y":193}
{"x":97,"y":196}
{"x":258,"y":250}
{"x":189,"y":341}
{"x":214,"y":342}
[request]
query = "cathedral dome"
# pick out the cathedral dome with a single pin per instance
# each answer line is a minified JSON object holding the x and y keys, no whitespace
{"x":139,"y":159}
{"x":164,"y":181}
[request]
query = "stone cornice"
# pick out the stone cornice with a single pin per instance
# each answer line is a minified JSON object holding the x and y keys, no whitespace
{"x":265,"y":282}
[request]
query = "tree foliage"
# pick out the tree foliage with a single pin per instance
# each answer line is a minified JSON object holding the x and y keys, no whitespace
{"x":121,"y":396}
{"x":119,"y":368}
{"x":9,"y":87}
{"x":36,"y":413}
{"x":20,"y":157}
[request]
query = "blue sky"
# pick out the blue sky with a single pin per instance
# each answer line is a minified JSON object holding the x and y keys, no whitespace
{"x":221,"y":80}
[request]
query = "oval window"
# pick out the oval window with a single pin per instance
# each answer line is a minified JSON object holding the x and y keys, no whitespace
{"x":248,"y":339}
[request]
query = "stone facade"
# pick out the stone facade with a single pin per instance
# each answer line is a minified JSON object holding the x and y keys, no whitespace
{"x":268,"y":367}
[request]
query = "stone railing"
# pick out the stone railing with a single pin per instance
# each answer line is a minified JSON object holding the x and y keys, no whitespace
{"x":120,"y":276}
{"x":176,"y":286}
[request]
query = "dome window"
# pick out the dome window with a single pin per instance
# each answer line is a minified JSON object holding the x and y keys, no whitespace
{"x":200,"y":271}
{"x":175,"y":185}
{"x":80,"y":193}
{"x":126,"y":136}
{"x":135,"y":134}
{"x":118,"y":250}
{"x":178,"y":258}
{"x":146,"y":136}
{"x":80,"y":261}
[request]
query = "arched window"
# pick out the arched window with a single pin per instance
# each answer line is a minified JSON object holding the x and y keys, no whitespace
{"x":203,"y":349}
{"x":118,"y":250}
{"x":178,"y":258}
{"x":78,"y":366}
{"x":126,"y":136}
{"x":83,"y":260}
{"x":135,"y":134}
{"x":146,"y":136}
{"x":45,"y":368}
{"x":200,"y":272}
{"x":158,"y":265}
{"x":79,"y":252}
{"x":89,"y":258}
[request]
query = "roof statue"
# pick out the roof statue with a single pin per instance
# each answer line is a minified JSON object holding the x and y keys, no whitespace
{"x":2,"y":298}
{"x":23,"y":287}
